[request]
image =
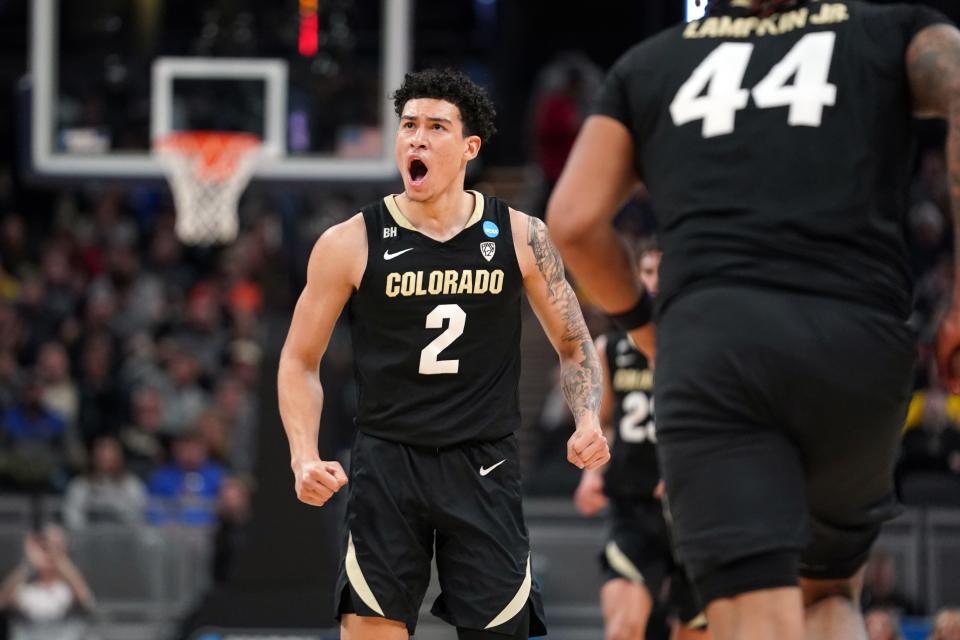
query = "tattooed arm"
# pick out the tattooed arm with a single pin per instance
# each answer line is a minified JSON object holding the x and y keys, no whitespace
{"x":933,"y":67}
{"x":558,"y":310}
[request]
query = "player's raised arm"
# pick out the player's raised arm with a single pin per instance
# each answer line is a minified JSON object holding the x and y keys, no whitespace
{"x":598,"y":178}
{"x":933,"y":66}
{"x":335,"y":268}
{"x":556,"y":305}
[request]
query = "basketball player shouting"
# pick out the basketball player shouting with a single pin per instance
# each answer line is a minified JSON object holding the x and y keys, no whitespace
{"x":776,"y":146}
{"x":432,"y":279}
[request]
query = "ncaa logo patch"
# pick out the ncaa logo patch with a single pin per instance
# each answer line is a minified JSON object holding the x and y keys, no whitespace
{"x":488,"y":249}
{"x":490,"y":229}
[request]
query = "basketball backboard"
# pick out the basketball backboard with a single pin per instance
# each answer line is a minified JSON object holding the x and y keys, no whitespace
{"x":312,"y":79}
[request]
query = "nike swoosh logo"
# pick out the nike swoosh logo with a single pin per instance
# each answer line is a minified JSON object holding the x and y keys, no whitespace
{"x":485,"y":470}
{"x":390,"y":256}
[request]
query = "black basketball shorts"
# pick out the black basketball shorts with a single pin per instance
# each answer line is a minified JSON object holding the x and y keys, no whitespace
{"x":462,"y":501}
{"x":639,"y":550}
{"x":778,"y":426}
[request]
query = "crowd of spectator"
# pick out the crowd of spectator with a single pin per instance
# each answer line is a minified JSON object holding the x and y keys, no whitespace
{"x":929,"y":468}
{"x":128,"y":361}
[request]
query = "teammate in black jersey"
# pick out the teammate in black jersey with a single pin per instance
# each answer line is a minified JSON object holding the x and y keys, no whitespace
{"x":637,"y":559}
{"x":775,"y":139}
{"x":432,"y":279}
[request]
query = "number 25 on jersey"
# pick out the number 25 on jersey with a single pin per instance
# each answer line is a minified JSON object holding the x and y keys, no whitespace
{"x":714,"y":91}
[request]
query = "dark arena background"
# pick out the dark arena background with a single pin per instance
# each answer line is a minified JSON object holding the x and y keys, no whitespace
{"x":127,"y":351}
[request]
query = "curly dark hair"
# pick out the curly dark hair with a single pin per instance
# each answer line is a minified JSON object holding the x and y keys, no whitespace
{"x":476,"y":108}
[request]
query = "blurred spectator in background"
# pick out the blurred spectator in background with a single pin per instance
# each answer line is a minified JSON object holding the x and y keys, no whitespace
{"x":14,"y":248}
{"x":108,"y":493}
{"x":202,"y":334}
{"x":183,"y":397}
{"x":882,"y":625}
{"x":61,"y":289}
{"x":12,"y":333}
{"x":233,"y":518}
{"x":102,"y":400}
{"x":138,"y":295}
{"x":929,"y":466}
{"x":39,"y":323}
{"x":62,"y":397}
{"x":946,"y":626}
{"x":238,"y":409}
{"x":928,"y":237}
{"x":880,"y":589}
{"x":46,"y":593}
{"x":142,"y":437}
{"x":932,"y":444}
{"x":60,"y":393}
{"x":244,"y":362}
{"x":9,"y":375}
{"x":32,"y":455}
{"x":185,"y":490}
{"x":216,"y":435}
{"x":167,"y":263}
{"x":140,"y":367}
{"x":566,"y":86}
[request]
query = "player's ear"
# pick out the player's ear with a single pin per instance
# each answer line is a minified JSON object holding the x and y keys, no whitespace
{"x":472,"y":147}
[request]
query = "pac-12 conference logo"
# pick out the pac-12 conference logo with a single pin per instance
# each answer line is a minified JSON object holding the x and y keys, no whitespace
{"x":487,"y":249}
{"x":490,"y":229}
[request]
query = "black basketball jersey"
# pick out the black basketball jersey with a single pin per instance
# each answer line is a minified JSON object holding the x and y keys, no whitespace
{"x":436,"y":329}
{"x":777,"y":151}
{"x":633,"y":470}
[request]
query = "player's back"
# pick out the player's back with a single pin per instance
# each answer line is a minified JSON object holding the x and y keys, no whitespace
{"x":777,"y":150}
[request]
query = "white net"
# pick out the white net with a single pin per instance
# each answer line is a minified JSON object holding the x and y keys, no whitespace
{"x":208,"y":172}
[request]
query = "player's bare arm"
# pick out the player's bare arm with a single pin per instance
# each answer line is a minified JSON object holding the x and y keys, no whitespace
{"x":589,"y":497}
{"x":558,"y":309}
{"x":933,"y":66}
{"x":598,"y":178}
{"x":335,"y":268}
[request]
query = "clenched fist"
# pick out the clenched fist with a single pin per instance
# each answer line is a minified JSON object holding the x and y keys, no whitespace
{"x":587,"y":448}
{"x":317,"y":480}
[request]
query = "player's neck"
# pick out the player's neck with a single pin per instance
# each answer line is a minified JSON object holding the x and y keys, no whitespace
{"x":441,"y":216}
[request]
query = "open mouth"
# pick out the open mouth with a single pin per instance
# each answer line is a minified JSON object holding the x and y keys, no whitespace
{"x":418,"y":171}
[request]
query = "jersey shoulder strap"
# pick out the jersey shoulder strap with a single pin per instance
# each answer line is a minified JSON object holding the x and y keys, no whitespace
{"x":497,"y":225}
{"x":373,"y":219}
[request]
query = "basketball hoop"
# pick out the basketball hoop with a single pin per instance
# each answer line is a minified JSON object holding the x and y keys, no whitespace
{"x":207,"y":171}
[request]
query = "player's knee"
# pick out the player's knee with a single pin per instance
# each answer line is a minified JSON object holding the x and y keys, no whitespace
{"x":626,"y":609}
{"x":764,"y":571}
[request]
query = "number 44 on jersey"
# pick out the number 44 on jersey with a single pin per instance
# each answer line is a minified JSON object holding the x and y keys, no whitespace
{"x":714,"y":92}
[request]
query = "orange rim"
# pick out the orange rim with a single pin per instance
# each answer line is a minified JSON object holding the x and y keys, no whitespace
{"x":215,"y":155}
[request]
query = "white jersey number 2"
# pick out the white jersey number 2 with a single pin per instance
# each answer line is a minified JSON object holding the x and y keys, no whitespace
{"x":714,"y":94}
{"x":457,"y":320}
